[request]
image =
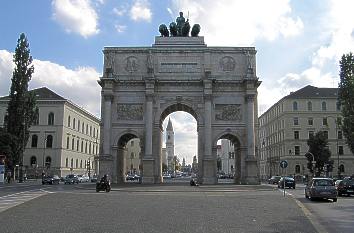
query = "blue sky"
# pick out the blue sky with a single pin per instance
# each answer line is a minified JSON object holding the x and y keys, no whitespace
{"x":299,"y":42}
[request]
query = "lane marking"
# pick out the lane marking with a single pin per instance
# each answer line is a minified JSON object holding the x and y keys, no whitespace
{"x":15,"y":199}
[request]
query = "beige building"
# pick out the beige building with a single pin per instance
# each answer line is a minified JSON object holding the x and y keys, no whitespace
{"x":286,"y":126}
{"x":133,"y":156}
{"x":65,"y":139}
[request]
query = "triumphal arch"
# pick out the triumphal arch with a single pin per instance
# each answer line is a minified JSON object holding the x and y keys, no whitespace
{"x":141,"y":86}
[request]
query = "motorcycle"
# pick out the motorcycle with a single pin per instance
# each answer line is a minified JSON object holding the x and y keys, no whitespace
{"x":103,"y":186}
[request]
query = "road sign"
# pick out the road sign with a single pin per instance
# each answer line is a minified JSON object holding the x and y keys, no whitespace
{"x":283,"y":164}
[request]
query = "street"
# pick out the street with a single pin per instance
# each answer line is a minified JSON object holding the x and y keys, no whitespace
{"x":331,"y":216}
{"x":32,"y":207}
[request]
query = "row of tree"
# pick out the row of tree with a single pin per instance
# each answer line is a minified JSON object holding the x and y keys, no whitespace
{"x":21,"y":110}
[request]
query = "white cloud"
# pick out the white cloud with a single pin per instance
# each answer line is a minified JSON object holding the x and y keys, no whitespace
{"x":241,"y":22}
{"x":120,"y":28}
{"x":76,"y":85}
{"x":77,"y":16}
{"x":120,"y":11}
{"x":140,"y":11}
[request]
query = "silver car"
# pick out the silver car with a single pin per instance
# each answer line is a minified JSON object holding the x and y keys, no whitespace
{"x":321,"y":188}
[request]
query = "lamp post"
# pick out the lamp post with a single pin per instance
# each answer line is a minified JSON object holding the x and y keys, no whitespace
{"x":44,"y":146}
{"x":313,"y":162}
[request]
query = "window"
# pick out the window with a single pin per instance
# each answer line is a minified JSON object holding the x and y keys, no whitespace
{"x":338,"y":106}
{"x":90,"y":148}
{"x":325,"y":133}
{"x":86,"y":148}
{"x":34,"y":141}
{"x":69,"y":121}
{"x":295,"y":106}
{"x":51,"y":118}
{"x":72,"y":163}
{"x":340,"y":150}
{"x":48,"y":161}
{"x":297,"y":169}
{"x":324,"y":121}
{"x":74,"y":123}
{"x":67,"y":142}
{"x":77,"y":163}
{"x":296,"y":121}
{"x":49,"y":141}
{"x":77,"y":144}
{"x":311,"y":134}
{"x":66,"y":162}
{"x":296,"y":134}
{"x":324,"y":106}
{"x":94,"y":132}
{"x":309,"y":106}
{"x":297,"y":150}
{"x":83,"y":127}
{"x":81,"y":163}
{"x":36,"y":119}
{"x":86,"y":129}
{"x":90,"y":130}
{"x":310,"y":121}
{"x":168,"y":137}
{"x":341,"y":168}
{"x":72,"y":144}
{"x":33,"y":161}
{"x":78,"y":125}
{"x":340,"y":135}
{"x":82,"y":146}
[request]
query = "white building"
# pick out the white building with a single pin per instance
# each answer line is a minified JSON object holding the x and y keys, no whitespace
{"x":65,"y":139}
{"x":287,"y":125}
{"x":226,"y":154}
{"x":133,"y":156}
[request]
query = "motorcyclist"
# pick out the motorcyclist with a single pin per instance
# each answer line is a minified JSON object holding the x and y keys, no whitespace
{"x":104,"y":179}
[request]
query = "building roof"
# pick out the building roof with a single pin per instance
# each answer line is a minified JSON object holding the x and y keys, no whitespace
{"x":169,"y":125}
{"x":42,"y":93}
{"x":313,"y":92}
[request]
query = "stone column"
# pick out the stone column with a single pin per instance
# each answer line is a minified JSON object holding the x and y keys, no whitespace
{"x":148,"y":160}
{"x":251,"y":161}
{"x":209,"y":163}
{"x":106,"y":158}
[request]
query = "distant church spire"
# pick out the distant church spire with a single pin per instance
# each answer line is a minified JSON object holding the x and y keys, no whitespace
{"x":169,"y":125}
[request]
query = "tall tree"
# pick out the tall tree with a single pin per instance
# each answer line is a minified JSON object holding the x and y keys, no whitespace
{"x":318,"y":147}
{"x":21,"y":110}
{"x":346,"y":97}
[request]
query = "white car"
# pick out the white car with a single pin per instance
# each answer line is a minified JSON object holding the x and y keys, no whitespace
{"x":83,"y":178}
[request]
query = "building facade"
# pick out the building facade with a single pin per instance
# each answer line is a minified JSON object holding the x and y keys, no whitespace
{"x":226,"y":155}
{"x":287,"y":125}
{"x":133,"y":156}
{"x":63,"y":140}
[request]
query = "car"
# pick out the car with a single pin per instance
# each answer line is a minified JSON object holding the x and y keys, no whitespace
{"x":94,"y":178}
{"x":320,"y":187}
{"x":71,"y":179}
{"x":345,"y":186}
{"x":166,"y":176}
{"x":289,"y":182}
{"x":83,"y":178}
{"x":274,"y":180}
{"x":51,"y":179}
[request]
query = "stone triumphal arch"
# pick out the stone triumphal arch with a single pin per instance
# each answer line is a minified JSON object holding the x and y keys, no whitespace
{"x":141,"y":86}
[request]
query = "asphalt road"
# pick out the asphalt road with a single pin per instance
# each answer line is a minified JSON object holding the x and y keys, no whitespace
{"x":329,"y":216}
{"x":155,"y":208}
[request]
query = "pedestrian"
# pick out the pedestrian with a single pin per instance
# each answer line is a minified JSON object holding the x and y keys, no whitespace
{"x":8,"y":177}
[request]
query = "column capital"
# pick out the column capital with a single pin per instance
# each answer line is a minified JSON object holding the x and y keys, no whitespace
{"x":108,"y":97}
{"x":250,"y":97}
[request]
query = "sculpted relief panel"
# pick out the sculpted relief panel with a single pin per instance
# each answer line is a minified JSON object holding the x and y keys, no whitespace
{"x":228,"y":112}
{"x":227,"y":64}
{"x":130,"y":112}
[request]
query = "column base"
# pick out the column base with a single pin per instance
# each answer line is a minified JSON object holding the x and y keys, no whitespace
{"x":251,"y":172}
{"x":209,"y":172}
{"x":148,"y":171}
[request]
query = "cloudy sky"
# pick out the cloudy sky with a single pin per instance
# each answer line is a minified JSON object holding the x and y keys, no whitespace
{"x":299,"y":42}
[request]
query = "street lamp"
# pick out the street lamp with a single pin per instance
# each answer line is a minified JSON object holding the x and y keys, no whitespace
{"x":313,"y":162}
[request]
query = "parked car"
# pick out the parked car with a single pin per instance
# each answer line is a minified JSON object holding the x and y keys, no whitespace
{"x":71,"y":179}
{"x":94,"y":178}
{"x":51,"y":179}
{"x":321,"y":188}
{"x":83,"y":178}
{"x":289,"y":182}
{"x":274,"y":180}
{"x":345,"y":186}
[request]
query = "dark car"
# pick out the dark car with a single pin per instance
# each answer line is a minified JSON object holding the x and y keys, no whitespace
{"x":321,"y":188}
{"x":345,"y":186}
{"x":289,"y":182}
{"x":71,"y":179}
{"x":51,"y":179}
{"x":274,"y":180}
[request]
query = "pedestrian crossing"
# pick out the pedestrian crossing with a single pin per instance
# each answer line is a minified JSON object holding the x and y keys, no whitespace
{"x":12,"y":200}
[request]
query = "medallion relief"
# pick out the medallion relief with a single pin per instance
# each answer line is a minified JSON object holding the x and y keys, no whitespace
{"x":131,"y":64}
{"x":228,"y":112}
{"x":227,"y":64}
{"x":130,"y":112}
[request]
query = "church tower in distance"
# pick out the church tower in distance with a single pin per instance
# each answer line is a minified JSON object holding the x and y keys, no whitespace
{"x":170,"y":145}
